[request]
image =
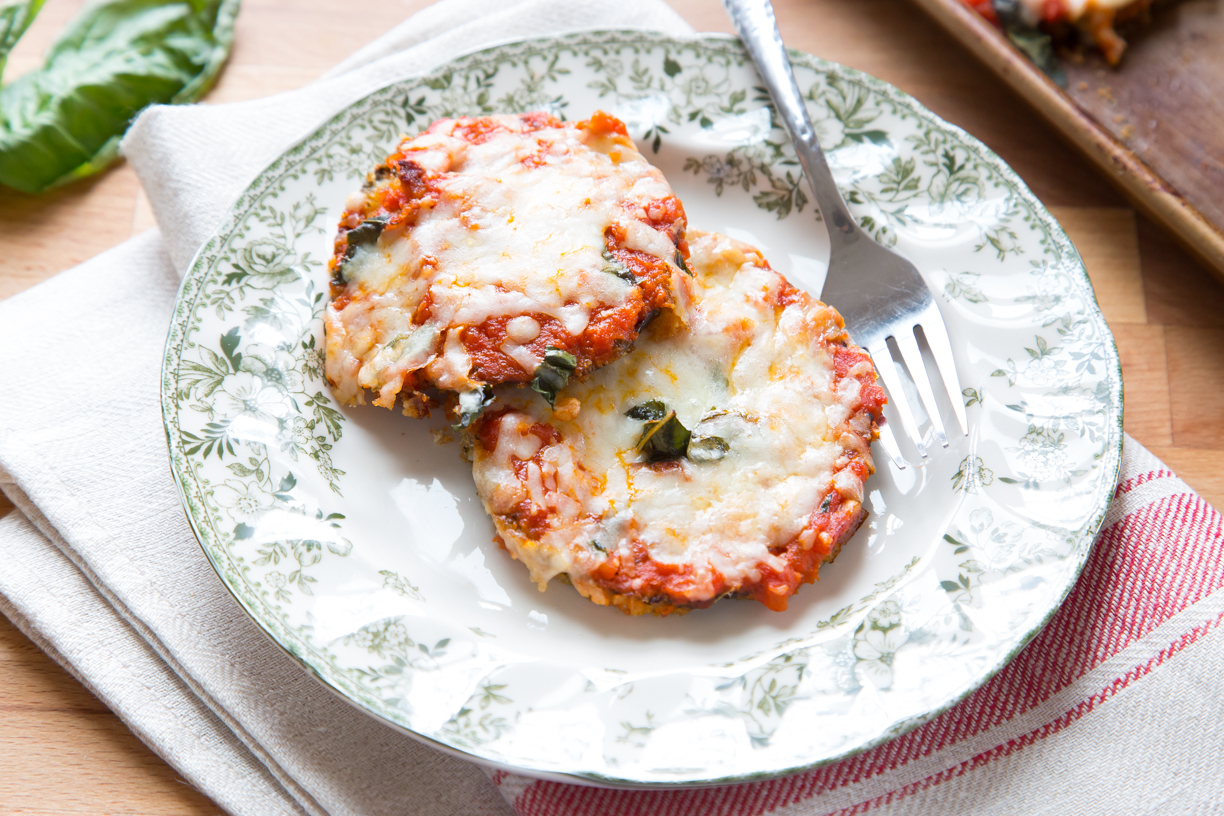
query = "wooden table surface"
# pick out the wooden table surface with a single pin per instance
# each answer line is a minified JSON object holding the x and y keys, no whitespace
{"x":62,"y":751}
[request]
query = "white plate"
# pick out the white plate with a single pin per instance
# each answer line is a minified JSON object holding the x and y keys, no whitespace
{"x":359,"y":545}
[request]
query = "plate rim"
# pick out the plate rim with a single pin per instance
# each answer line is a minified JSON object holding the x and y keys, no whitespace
{"x":196,"y":273}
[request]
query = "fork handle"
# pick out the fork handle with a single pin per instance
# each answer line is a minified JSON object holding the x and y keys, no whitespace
{"x":758,"y":28}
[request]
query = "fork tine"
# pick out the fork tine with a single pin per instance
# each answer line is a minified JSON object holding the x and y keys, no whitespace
{"x":889,"y":443}
{"x":882,"y":357}
{"x":937,"y":338}
{"x":908,"y":345}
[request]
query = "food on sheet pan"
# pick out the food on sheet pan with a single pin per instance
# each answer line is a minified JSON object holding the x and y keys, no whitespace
{"x":1070,"y":22}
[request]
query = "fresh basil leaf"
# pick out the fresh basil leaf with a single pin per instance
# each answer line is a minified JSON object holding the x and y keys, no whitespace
{"x":664,"y":439}
{"x":707,"y":449}
{"x":15,"y":18}
{"x":1036,"y":44}
{"x":64,"y":120}
{"x":364,"y":234}
{"x":553,"y":374}
{"x":647,"y":411}
{"x":557,"y":358}
{"x":615,"y":267}
{"x":595,"y":545}
{"x":472,"y":404}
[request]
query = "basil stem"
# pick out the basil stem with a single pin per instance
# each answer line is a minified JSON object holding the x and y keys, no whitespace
{"x":64,"y":121}
{"x":553,"y":374}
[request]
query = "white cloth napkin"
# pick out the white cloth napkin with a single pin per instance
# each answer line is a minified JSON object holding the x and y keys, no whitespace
{"x":100,"y":567}
{"x":1113,"y":708}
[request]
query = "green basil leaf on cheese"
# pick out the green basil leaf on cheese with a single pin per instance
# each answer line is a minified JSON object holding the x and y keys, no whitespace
{"x":64,"y":120}
{"x":664,"y":439}
{"x":363,"y":235}
{"x":707,"y":449}
{"x":553,"y":374}
{"x":472,"y":404}
{"x":647,"y":411}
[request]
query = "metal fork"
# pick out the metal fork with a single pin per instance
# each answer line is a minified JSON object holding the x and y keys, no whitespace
{"x":879,"y":294}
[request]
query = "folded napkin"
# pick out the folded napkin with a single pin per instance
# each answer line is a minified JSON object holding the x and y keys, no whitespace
{"x":1108,"y":710}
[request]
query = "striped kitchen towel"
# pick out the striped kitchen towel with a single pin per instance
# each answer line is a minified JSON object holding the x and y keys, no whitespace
{"x":1114,"y":708}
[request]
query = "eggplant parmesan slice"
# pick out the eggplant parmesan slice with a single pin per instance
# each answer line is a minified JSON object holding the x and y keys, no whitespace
{"x":496,"y":250}
{"x":722,"y":458}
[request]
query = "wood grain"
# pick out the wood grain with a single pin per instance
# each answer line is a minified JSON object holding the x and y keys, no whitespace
{"x":1201,"y":468}
{"x":1108,"y":241}
{"x":1147,"y":414}
{"x":32,"y":228}
{"x":63,"y":752}
{"x":1196,"y":357}
{"x":1166,"y":310}
{"x":1092,"y":130}
{"x":1163,"y":101}
{"x":1175,"y":289}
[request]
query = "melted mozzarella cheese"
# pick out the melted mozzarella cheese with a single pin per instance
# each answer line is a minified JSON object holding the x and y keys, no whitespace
{"x":754,"y":376}
{"x":506,"y":235}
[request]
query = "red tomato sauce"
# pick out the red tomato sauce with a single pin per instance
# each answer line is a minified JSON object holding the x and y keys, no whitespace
{"x":604,"y":124}
{"x":609,"y":333}
{"x":667,"y":586}
{"x":672,"y":584}
{"x":529,"y":517}
{"x":871,"y":396}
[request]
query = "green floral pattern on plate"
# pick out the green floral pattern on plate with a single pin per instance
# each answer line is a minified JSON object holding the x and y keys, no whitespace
{"x":356,"y":544}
